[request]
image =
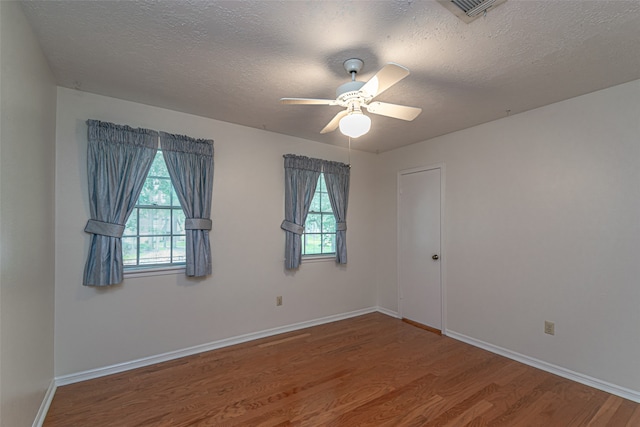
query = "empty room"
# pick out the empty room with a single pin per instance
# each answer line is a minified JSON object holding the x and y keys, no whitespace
{"x":320,"y":213}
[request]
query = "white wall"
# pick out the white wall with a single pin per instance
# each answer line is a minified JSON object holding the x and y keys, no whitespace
{"x":542,"y":221}
{"x":98,"y":327}
{"x":27,"y":130}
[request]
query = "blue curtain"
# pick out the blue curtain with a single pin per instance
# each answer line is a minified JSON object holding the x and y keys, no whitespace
{"x":190,"y":165}
{"x":118,"y":161}
{"x":336,"y":176}
{"x":300,"y":178}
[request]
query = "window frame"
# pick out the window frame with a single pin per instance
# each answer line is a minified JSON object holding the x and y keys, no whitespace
{"x":322,"y":255}
{"x":140,"y":270}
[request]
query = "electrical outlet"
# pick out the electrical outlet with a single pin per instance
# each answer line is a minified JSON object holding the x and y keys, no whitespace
{"x":549,"y":327}
{"x":278,"y":300}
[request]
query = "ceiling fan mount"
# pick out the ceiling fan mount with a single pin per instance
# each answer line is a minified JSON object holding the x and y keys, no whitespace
{"x":355,"y":95}
{"x":353,"y":65}
{"x":350,"y":91}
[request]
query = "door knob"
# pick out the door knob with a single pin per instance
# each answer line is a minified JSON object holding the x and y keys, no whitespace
{"x":435,"y":257}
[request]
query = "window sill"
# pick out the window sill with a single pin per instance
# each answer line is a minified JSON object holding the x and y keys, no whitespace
{"x":318,"y":258}
{"x":154,"y":271}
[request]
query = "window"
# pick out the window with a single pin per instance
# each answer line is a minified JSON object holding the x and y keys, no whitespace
{"x":319,"y":237}
{"x":154,"y":234}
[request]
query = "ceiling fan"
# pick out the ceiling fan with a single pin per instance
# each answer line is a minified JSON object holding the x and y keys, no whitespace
{"x":355,"y":96}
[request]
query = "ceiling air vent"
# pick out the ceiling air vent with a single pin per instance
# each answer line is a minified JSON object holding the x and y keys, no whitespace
{"x":468,"y":10}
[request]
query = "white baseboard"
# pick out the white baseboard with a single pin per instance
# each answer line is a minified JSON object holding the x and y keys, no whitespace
{"x":554,"y":369}
{"x":388,"y":312}
{"x":44,"y":406}
{"x":151,"y":360}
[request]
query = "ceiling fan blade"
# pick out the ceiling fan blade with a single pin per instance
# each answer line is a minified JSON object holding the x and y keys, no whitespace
{"x":392,"y":110}
{"x":389,"y":75}
{"x":333,"y":124}
{"x":308,"y":101}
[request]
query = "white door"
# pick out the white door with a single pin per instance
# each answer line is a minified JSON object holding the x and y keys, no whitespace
{"x":419,"y":247}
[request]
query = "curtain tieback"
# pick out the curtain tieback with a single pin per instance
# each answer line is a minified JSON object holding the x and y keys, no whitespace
{"x":341,"y":226}
{"x":104,"y":228}
{"x":292,"y":227}
{"x":197,"y":224}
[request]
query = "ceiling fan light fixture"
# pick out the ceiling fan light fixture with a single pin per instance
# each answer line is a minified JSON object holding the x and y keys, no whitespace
{"x":355,"y":124}
{"x":355,"y":95}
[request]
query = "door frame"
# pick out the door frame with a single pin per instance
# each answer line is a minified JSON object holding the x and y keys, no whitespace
{"x":443,"y":258}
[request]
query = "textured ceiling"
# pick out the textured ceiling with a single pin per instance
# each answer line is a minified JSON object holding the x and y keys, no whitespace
{"x":233,"y":60}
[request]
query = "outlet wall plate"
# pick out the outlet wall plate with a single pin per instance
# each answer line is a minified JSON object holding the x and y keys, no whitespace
{"x":549,"y":327}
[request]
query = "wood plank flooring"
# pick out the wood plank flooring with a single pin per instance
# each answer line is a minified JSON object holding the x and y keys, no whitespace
{"x":371,"y":370}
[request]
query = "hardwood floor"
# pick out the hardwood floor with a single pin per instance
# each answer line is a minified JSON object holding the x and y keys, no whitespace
{"x":371,"y":370}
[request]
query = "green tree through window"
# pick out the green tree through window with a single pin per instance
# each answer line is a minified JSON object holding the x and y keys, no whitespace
{"x":154,"y":234}
{"x":319,"y":236}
